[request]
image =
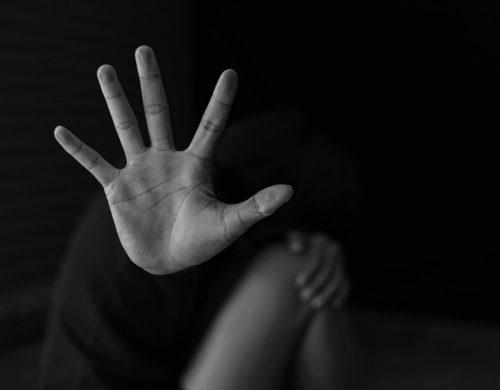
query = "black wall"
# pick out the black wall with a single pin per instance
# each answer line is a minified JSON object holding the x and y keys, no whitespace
{"x":49,"y":54}
{"x":408,"y":88}
{"x":411,"y":90}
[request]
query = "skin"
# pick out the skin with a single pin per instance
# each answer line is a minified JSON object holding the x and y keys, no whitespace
{"x":168,"y":218}
{"x":163,"y":203}
{"x":264,"y":335}
{"x":322,"y":280}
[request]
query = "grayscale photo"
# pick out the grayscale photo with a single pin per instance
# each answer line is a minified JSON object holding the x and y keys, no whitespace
{"x":249,"y":195}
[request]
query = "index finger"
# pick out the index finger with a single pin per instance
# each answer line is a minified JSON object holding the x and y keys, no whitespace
{"x":215,"y":116}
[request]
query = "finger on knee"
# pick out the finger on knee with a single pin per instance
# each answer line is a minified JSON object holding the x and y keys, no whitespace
{"x":276,"y":264}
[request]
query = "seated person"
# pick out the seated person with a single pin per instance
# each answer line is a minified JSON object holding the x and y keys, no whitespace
{"x":190,"y":310}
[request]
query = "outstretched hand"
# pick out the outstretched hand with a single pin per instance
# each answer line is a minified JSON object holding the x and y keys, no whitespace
{"x":163,"y":203}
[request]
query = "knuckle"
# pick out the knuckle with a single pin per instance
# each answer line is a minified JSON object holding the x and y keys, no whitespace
{"x":94,"y":162}
{"x":116,"y":95}
{"x":258,"y":207}
{"x":110,"y":185}
{"x":240,"y":219}
{"x":150,"y":77}
{"x":208,"y":125}
{"x":135,"y":151}
{"x":221,"y":102}
{"x":125,"y":125}
{"x":78,"y":149}
{"x":155,"y":109}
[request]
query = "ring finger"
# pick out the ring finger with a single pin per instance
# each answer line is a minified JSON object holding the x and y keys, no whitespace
{"x":123,"y":117}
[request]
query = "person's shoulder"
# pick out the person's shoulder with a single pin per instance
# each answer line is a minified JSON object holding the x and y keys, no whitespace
{"x":94,"y":246}
{"x":95,"y":262}
{"x":90,"y":262}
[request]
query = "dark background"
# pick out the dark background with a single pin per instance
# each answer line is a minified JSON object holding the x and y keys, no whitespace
{"x":409,"y":89}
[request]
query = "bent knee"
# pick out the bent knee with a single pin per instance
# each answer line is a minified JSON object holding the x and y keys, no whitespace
{"x":260,"y":323}
{"x":277,"y":263}
{"x":273,"y":272}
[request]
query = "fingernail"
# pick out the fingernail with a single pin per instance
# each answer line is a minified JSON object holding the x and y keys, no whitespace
{"x":231,"y":80}
{"x":296,"y":246}
{"x":305,"y":295}
{"x":145,"y":56}
{"x":106,"y":73}
{"x":59,"y":133}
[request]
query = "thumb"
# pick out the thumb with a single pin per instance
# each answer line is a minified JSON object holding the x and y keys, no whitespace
{"x":240,"y":217}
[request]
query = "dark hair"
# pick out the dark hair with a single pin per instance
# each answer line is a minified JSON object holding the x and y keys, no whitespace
{"x":284,"y":147}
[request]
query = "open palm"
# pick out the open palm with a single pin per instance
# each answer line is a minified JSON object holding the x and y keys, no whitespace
{"x":163,"y":204}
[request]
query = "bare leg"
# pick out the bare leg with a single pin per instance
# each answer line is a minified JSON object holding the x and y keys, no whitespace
{"x":253,"y":340}
{"x":327,"y":357}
